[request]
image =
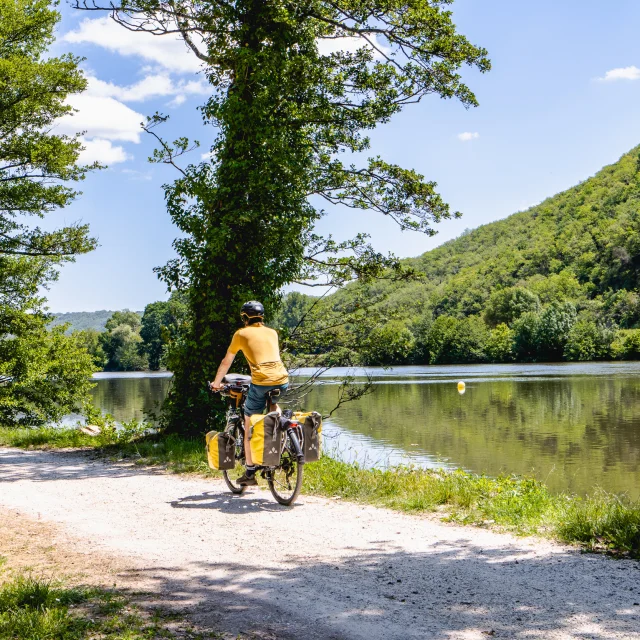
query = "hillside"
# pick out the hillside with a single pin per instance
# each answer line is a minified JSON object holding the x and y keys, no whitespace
{"x":80,"y":320}
{"x":558,"y":281}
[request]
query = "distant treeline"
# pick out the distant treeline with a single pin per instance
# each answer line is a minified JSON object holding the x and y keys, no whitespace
{"x":127,"y":340}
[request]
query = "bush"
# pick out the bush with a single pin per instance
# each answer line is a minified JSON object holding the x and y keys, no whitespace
{"x":626,"y":345}
{"x":453,"y":340}
{"x":588,"y":341}
{"x":500,"y":344}
{"x":390,"y":343}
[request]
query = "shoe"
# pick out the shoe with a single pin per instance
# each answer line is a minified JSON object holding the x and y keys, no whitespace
{"x":246,"y":480}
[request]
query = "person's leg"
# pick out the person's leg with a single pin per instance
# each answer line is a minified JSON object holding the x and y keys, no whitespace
{"x":248,"y":478}
{"x":247,"y":446}
{"x":283,"y":388}
{"x":254,"y":404}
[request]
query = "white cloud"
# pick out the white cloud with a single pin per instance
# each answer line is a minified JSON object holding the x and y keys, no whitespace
{"x":622,"y":73}
{"x":137,"y":175}
{"x":151,"y":86}
{"x":177,"y":101}
{"x":468,"y":135}
{"x":207,"y":156}
{"x":102,"y":151}
{"x":169,"y":51}
{"x":101,"y":117}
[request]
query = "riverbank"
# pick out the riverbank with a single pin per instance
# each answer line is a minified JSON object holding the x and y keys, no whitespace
{"x":573,"y":426}
{"x":600,"y":522}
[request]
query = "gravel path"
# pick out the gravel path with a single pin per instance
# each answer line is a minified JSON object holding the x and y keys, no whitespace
{"x":322,"y":569}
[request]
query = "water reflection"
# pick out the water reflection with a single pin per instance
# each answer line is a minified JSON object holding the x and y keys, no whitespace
{"x":575,"y":432}
{"x":574,"y":426}
{"x":128,"y":396}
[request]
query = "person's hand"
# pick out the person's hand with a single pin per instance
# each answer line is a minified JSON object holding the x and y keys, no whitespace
{"x":216,"y":386}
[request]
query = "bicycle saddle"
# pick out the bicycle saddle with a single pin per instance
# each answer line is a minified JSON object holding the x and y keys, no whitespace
{"x":236,"y":378}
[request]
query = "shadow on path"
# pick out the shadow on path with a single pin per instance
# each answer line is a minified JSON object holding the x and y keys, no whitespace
{"x":226,"y":502}
{"x":41,"y":466}
{"x":449,"y":593}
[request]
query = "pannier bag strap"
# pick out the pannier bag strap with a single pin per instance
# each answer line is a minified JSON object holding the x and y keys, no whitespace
{"x":316,"y":419}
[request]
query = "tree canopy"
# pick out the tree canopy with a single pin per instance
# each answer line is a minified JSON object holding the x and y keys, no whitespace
{"x":43,"y":374}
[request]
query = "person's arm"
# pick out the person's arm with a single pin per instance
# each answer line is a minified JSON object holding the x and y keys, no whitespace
{"x":223,"y":369}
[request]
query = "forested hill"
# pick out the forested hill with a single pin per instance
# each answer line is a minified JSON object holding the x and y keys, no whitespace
{"x":558,"y":281}
{"x":81,"y":320}
{"x":586,"y":237}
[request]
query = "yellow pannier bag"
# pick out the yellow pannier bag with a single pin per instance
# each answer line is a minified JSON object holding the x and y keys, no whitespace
{"x":221,"y":450}
{"x":311,"y":434}
{"x":266,"y":439}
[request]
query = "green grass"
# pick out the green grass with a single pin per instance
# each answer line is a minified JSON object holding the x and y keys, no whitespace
{"x":522,"y":505}
{"x":36,"y":609}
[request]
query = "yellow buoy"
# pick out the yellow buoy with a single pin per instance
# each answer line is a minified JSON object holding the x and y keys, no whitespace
{"x":461,"y":387}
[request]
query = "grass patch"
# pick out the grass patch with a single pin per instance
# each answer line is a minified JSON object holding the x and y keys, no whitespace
{"x":45,"y":437}
{"x":37,"y":609}
{"x":522,"y":505}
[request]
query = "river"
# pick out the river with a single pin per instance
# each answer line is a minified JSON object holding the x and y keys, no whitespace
{"x":574,"y":426}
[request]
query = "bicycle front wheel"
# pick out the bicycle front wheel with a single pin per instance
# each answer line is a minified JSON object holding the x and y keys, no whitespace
{"x":231,"y":476}
{"x":285,"y":481}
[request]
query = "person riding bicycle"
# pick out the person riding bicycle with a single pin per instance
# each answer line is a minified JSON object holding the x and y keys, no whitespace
{"x":260,"y":347}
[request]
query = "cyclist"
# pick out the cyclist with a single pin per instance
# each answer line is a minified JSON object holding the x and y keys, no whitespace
{"x":259,"y":344}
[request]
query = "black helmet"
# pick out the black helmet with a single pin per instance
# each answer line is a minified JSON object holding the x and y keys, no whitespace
{"x":252,"y":309}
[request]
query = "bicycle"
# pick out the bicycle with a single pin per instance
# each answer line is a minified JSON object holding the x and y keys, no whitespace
{"x":284,"y":480}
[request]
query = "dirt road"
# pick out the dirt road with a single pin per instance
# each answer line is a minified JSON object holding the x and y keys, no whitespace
{"x":322,"y":569}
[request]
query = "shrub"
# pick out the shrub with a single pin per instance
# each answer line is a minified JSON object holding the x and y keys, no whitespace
{"x":453,"y":340}
{"x":588,"y":341}
{"x":500,"y":344}
{"x":626,"y":345}
{"x":390,"y":343}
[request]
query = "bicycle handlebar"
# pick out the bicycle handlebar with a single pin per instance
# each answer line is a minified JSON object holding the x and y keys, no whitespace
{"x":224,"y":388}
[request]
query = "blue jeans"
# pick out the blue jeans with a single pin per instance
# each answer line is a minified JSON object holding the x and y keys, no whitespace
{"x":256,"y":401}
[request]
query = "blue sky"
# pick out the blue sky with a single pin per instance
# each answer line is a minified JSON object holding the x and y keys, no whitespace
{"x":561,"y":102}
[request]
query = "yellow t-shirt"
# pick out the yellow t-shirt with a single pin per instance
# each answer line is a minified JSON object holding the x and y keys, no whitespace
{"x":260,"y":347}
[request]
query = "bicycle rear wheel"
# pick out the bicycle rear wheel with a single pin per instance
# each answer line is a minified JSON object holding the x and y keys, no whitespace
{"x":285,"y":481}
{"x":231,"y":476}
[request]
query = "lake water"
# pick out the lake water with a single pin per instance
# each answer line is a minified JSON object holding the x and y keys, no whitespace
{"x":575,"y":426}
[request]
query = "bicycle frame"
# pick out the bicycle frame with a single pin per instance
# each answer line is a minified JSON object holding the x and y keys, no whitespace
{"x":293,"y":430}
{"x":285,"y":478}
